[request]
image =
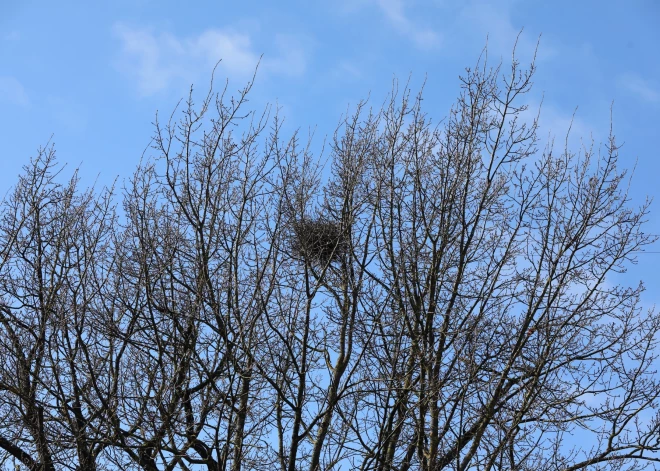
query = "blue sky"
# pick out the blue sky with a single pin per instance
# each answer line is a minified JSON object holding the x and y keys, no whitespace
{"x":93,"y":74}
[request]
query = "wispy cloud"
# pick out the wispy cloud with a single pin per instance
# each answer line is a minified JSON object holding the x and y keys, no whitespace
{"x":394,"y":11}
{"x":347,"y":70}
{"x":566,"y":128}
{"x":12,"y":36}
{"x":291,"y":59}
{"x":559,"y":126}
{"x":495,"y":20}
{"x":12,"y":91}
{"x":159,"y":60}
{"x":645,"y":90}
{"x":68,"y":113}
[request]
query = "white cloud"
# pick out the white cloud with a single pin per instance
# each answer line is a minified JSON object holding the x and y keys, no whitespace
{"x":347,"y":70}
{"x":234,"y":49}
{"x":483,"y":18}
{"x":395,"y":13}
{"x":12,"y":36}
{"x":291,"y":60}
{"x":644,"y":89}
{"x":466,"y":22}
{"x":158,"y":61}
{"x":554,"y":125}
{"x":68,"y":113}
{"x":12,"y":91}
{"x":557,"y":122}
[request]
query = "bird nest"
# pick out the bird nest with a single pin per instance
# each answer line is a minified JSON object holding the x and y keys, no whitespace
{"x":319,"y":240}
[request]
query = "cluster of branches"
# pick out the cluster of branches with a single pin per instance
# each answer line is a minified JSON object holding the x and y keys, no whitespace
{"x":439,"y":299}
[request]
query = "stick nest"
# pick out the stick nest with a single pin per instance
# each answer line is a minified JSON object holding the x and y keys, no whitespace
{"x":319,"y":240}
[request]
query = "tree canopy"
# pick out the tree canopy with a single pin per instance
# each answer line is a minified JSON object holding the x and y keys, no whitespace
{"x":438,"y":297}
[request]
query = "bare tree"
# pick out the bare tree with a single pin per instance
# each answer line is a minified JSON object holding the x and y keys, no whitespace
{"x":56,"y":374}
{"x":438,"y":297}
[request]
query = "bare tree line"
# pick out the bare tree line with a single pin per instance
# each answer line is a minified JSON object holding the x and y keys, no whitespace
{"x":439,"y":301}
